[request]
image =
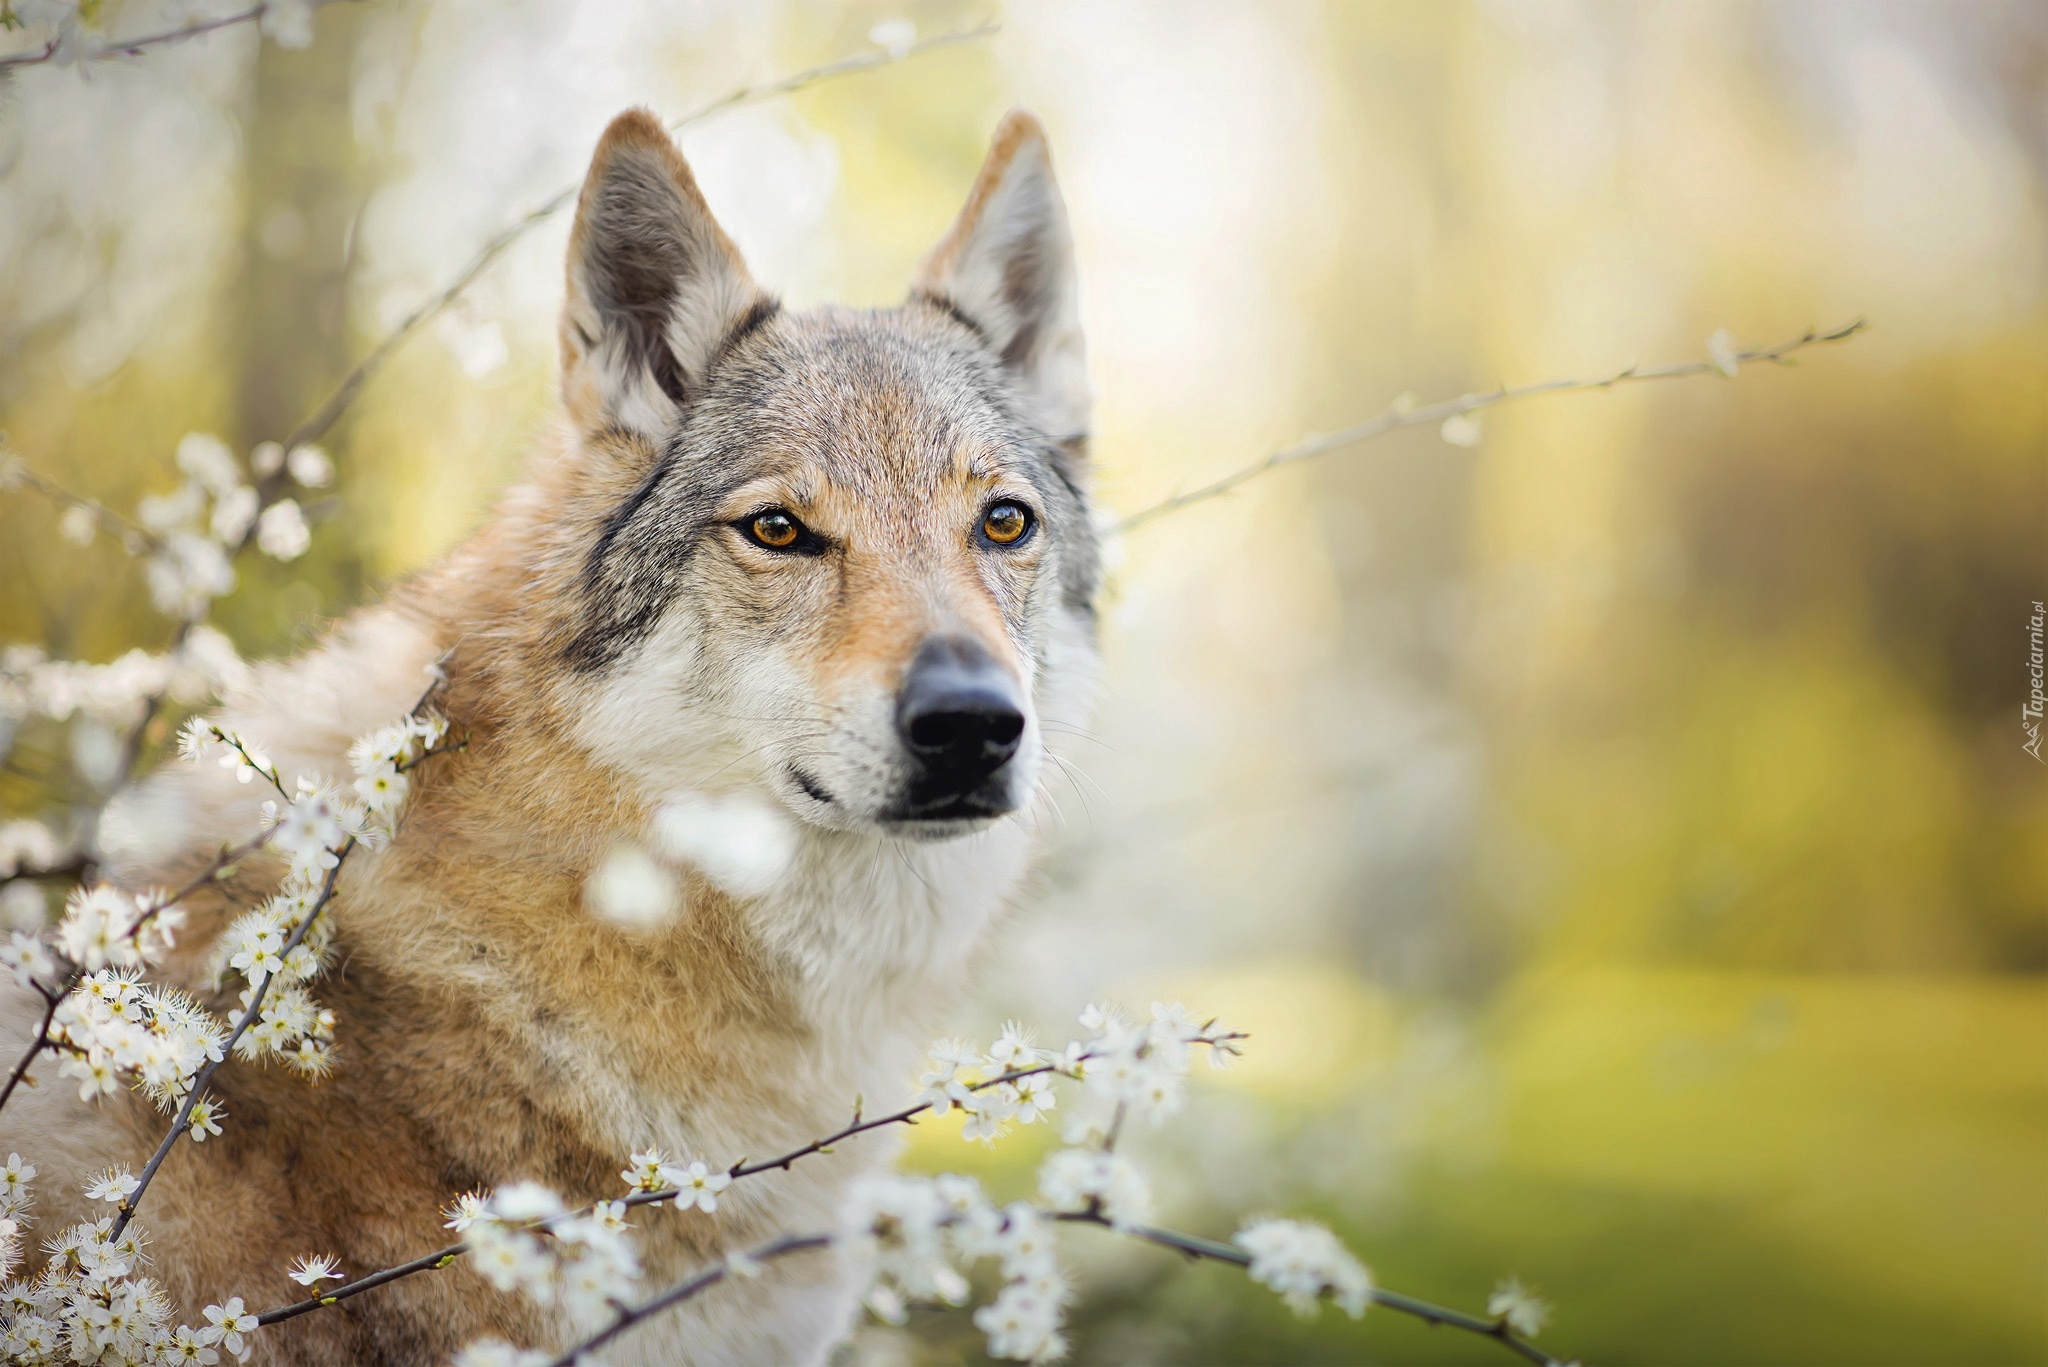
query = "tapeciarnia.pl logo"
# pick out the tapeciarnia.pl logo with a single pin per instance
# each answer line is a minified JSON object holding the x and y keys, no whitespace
{"x":2031,"y":709}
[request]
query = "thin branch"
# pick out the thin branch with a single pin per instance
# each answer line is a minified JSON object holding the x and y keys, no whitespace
{"x":439,"y":1258}
{"x":1396,"y":418}
{"x":63,"y":871}
{"x":115,"y":48}
{"x":1191,"y":1245}
{"x":205,"y":1075}
{"x":133,"y":537}
{"x":431,"y":1262}
{"x":683,"y":1290}
{"x":255,"y":1007}
{"x":36,"y":1046}
{"x":1194,"y":1246}
{"x":317,"y":423}
{"x":223,"y":861}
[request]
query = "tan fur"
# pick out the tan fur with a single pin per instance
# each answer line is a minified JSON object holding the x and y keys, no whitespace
{"x":490,"y":1028}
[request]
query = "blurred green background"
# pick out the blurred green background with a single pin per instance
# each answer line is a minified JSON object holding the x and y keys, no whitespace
{"x":1616,"y":835}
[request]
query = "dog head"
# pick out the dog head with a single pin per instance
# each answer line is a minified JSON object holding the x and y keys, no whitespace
{"x":842,"y":555}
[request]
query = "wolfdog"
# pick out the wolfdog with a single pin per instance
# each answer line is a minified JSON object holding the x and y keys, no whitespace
{"x":838,"y":564}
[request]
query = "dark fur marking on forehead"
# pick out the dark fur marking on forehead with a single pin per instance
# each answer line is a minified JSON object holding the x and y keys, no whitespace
{"x":944,"y":304}
{"x":752,"y":321}
{"x":623,"y":599}
{"x":634,"y":570}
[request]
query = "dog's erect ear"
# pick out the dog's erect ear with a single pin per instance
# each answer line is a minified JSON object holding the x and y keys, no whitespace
{"x":655,"y":286}
{"x":1007,"y":267}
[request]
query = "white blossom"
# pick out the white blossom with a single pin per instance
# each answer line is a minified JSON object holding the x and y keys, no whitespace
{"x":944,"y":1085}
{"x":699,"y":1186}
{"x":308,"y":831}
{"x":281,"y":531}
{"x":315,"y":1270}
{"x":115,"y":1185}
{"x":78,"y":524}
{"x":523,"y":1201}
{"x":96,"y":925}
{"x":1523,"y":1311}
{"x":1013,"y":1049}
{"x":205,"y":1119}
{"x":29,"y":959}
{"x":208,"y":461}
{"x":1722,"y":352}
{"x":631,"y":891}
{"x":651,"y":1171}
{"x":740,"y":843}
{"x":1080,"y":1180}
{"x":187,"y":573}
{"x":233,"y":511}
{"x":310,"y":467}
{"x":895,"y":1223}
{"x":26,"y":845}
{"x":232,"y":1322}
{"x":1022,"y":1323}
{"x":465,"y":1210}
{"x":288,"y":23}
{"x":1302,"y":1261}
{"x":1460,"y":429}
{"x":894,"y":36}
{"x":14,"y":1180}
{"x":512,"y":1260}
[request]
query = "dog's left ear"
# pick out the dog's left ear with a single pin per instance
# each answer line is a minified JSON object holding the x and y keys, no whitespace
{"x":655,"y":286}
{"x":1007,"y":268}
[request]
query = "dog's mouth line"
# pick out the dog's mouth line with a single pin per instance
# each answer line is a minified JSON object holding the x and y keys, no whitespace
{"x":951,"y":807}
{"x":813,"y":789}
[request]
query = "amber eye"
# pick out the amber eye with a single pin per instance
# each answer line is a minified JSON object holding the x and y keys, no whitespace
{"x":1006,"y":523}
{"x":775,"y":529}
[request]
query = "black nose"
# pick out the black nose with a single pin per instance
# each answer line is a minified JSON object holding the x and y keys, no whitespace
{"x":959,"y":714}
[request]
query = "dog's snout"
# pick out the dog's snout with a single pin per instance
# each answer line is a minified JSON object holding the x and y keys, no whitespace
{"x":959,"y":713}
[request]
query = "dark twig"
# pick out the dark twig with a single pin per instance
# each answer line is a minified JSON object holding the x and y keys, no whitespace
{"x":134,"y":47}
{"x":222,"y":862}
{"x":255,"y":1007}
{"x":36,"y":1046}
{"x":683,"y":1290}
{"x":1194,"y":1246}
{"x":248,"y":1018}
{"x":1396,"y":418}
{"x":1191,"y":1245}
{"x":428,"y":1262}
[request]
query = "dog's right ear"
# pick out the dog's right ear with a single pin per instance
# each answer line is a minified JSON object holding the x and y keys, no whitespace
{"x":1006,"y":269}
{"x":655,"y":285}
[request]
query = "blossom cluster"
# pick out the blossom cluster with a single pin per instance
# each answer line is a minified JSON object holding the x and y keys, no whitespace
{"x":1304,"y":1262}
{"x":92,"y":1301}
{"x":102,"y":926}
{"x":281,"y":946}
{"x":695,"y":1184}
{"x":1128,"y":1070}
{"x":115,"y":1025}
{"x":197,"y":527}
{"x":112,"y":694}
{"x":525,"y":1240}
{"x":907,"y":1234}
